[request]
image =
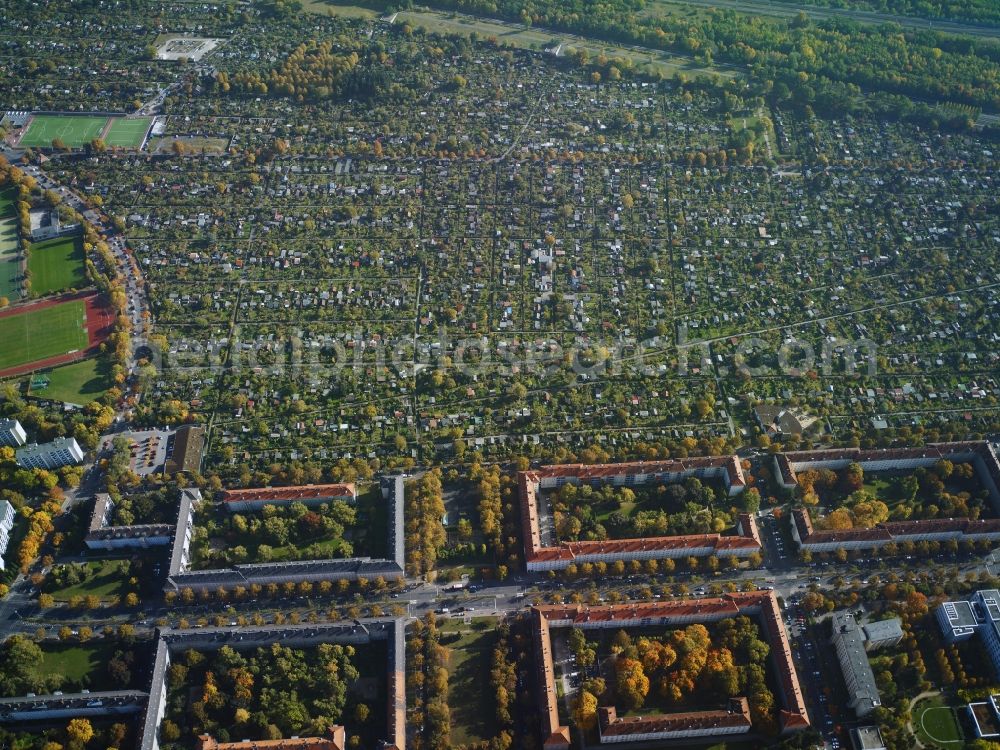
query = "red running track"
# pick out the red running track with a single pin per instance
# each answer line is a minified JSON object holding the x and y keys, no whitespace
{"x":100,"y":324}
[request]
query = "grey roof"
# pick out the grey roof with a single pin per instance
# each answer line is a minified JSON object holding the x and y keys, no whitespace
{"x":156,"y":703}
{"x":990,"y":599}
{"x":959,"y":614}
{"x":884,"y":630}
{"x":395,"y":488}
{"x":848,"y":639}
{"x":68,"y":698}
{"x":188,"y":498}
{"x":867,"y":738}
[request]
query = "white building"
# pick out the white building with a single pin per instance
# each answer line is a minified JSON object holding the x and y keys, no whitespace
{"x":60,"y":452}
{"x":12,"y":433}
{"x":7,"y":515}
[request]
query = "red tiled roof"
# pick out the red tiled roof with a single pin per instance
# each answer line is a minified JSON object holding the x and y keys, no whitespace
{"x":556,"y":734}
{"x":785,"y":471}
{"x":737,"y":715}
{"x":749,"y":528}
{"x":732,"y":465}
{"x":528,"y":494}
{"x":335,"y":739}
{"x":794,"y":714}
{"x":891,"y":530}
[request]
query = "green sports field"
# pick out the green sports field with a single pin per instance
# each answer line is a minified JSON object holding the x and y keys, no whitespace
{"x":77,"y":383}
{"x":39,"y":334}
{"x":10,"y":267}
{"x":73,"y":130}
{"x":127,"y":133}
{"x":56,"y":265}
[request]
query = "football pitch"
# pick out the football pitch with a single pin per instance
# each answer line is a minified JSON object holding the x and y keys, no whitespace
{"x":56,"y":265}
{"x":127,"y":133}
{"x":73,"y":130}
{"x":47,"y":332}
{"x":78,"y":130}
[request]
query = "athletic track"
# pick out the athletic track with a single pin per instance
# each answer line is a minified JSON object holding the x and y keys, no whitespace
{"x":100,"y":323}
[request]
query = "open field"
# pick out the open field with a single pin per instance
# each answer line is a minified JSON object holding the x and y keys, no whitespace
{"x":344,"y":10}
{"x":189,"y":144}
{"x":127,"y":133}
{"x":56,"y":265}
{"x":655,"y":61}
{"x":73,"y":130}
{"x":521,"y":36}
{"x":76,"y":663}
{"x":42,"y":333}
{"x":472,"y":710}
{"x":935,"y":724}
{"x":10,"y":266}
{"x":105,"y":580}
{"x":77,"y":383}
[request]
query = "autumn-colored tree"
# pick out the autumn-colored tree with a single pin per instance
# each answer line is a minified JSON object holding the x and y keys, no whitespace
{"x":853,"y":477}
{"x":585,"y":711}
{"x":631,"y":683}
{"x":79,"y":732}
{"x":839,"y":520}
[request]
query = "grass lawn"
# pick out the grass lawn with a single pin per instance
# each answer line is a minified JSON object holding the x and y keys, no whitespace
{"x":192,"y":145}
{"x":76,"y":662}
{"x":341,"y":9}
{"x":105,"y":580}
{"x":325,"y":547}
{"x":471,"y":700}
{"x":56,"y":265}
{"x":127,"y":133}
{"x":935,"y":724}
{"x":73,"y":130}
{"x":10,"y":264}
{"x":372,"y":523}
{"x":43,"y":333}
{"x":78,"y":383}
{"x":888,"y":487}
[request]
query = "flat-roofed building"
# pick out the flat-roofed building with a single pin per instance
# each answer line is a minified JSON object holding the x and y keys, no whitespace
{"x":985,"y":717}
{"x":986,"y":604}
{"x":957,"y":620}
{"x":7,"y":516}
{"x":883,"y":633}
{"x":60,"y":452}
{"x":12,"y":433}
{"x":867,"y":738}
{"x":961,"y":620}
